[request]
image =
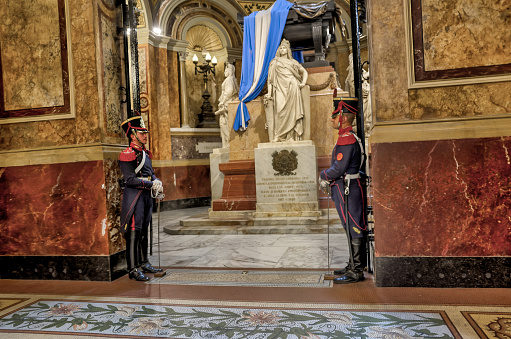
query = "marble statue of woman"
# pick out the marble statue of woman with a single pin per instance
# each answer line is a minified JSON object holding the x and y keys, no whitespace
{"x":285,"y":107}
{"x":366,"y":94}
{"x":229,"y":93}
{"x":350,"y":78}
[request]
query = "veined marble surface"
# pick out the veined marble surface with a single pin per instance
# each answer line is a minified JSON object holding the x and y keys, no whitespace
{"x":245,"y":251}
{"x":465,"y":33}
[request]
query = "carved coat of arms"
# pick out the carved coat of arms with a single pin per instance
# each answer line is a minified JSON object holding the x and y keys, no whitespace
{"x":284,"y":162}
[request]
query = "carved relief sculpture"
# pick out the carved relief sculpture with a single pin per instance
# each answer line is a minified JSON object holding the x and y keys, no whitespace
{"x":284,"y":104}
{"x":229,"y":93}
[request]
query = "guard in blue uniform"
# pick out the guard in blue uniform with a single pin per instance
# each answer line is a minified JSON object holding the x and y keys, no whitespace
{"x":140,"y":186}
{"x":344,"y":180}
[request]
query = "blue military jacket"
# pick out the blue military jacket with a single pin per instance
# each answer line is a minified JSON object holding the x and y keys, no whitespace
{"x":346,"y":159}
{"x":134,"y":183}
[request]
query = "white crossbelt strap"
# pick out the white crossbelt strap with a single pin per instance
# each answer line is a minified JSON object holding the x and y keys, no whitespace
{"x":139,"y":167}
{"x":362,"y":155}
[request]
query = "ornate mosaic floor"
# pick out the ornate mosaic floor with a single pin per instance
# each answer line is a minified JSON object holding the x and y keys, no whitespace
{"x":34,"y":316}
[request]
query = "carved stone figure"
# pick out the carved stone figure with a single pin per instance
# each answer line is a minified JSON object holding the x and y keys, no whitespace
{"x":285,"y":108}
{"x":229,"y":93}
{"x":350,"y":78}
{"x":366,"y":94}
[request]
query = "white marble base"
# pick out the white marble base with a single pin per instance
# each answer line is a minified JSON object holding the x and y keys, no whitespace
{"x":219,"y":156}
{"x":286,"y":179}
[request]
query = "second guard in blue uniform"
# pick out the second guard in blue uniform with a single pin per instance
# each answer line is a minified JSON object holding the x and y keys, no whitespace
{"x":345,"y":183}
{"x":140,"y":186}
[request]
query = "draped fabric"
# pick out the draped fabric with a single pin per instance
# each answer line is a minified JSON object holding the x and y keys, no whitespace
{"x":261,"y":39}
{"x":298,"y":56}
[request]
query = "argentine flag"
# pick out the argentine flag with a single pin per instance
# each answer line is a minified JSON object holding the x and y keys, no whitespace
{"x":261,"y":39}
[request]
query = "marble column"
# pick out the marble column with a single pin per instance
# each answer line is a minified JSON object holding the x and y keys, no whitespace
{"x":184,"y":94}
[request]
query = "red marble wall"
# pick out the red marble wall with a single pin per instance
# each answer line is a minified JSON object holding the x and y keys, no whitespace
{"x":183,"y":182}
{"x":56,"y":209}
{"x":443,"y":198}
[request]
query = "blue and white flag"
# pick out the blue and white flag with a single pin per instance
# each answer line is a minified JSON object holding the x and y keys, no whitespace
{"x":261,"y":39}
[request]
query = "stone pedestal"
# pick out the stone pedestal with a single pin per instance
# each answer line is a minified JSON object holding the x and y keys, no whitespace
{"x":239,"y":191}
{"x":219,"y":156}
{"x":286,"y":179}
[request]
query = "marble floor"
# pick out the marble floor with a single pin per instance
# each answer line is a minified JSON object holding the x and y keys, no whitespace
{"x":244,"y":251}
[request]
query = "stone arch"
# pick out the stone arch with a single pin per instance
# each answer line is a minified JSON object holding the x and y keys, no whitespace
{"x":177,"y":20}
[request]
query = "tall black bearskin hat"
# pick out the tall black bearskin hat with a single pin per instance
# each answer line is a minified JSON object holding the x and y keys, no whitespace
{"x":135,"y":123}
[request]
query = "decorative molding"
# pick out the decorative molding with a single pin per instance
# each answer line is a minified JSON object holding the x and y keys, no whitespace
{"x":445,"y":129}
{"x":182,"y":162}
{"x":330,"y":81}
{"x":191,"y":132}
{"x":250,"y":7}
{"x":201,"y":37}
{"x":60,"y":154}
{"x":177,"y":45}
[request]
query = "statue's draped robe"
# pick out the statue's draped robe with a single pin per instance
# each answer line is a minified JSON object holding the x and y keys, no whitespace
{"x":229,"y":93}
{"x":287,"y":99}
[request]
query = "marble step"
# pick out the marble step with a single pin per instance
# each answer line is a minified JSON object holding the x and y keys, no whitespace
{"x":254,"y":229}
{"x":204,"y":219}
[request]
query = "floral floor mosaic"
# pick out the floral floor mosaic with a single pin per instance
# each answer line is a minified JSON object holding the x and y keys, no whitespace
{"x":66,"y":316}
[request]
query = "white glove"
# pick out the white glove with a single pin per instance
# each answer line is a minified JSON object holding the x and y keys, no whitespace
{"x":324,"y":185}
{"x":157,"y":186}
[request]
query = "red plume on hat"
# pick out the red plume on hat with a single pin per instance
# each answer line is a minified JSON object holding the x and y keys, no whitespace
{"x":134,"y":123}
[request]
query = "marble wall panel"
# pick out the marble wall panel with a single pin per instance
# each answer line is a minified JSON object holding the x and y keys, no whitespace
{"x":113,"y":205}
{"x":388,"y":57}
{"x":185,"y":182}
{"x":173,"y":84}
{"x":85,"y":127}
{"x":55,"y":209}
{"x":110,"y":70}
{"x":442,"y":198}
{"x":31,"y":55}
{"x":465,"y":33}
{"x":83,"y":36}
{"x":185,"y":147}
{"x":163,"y":107}
{"x":460,"y":101}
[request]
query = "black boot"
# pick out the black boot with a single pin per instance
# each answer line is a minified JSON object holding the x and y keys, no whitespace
{"x":132,"y":246}
{"x":138,"y":275}
{"x":145,"y":265}
{"x":356,"y":273}
{"x":342,"y":270}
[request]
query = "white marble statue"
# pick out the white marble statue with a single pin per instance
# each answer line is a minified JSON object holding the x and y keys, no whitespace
{"x":350,"y":78}
{"x":366,"y":94}
{"x":229,"y":93}
{"x":285,"y":108}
